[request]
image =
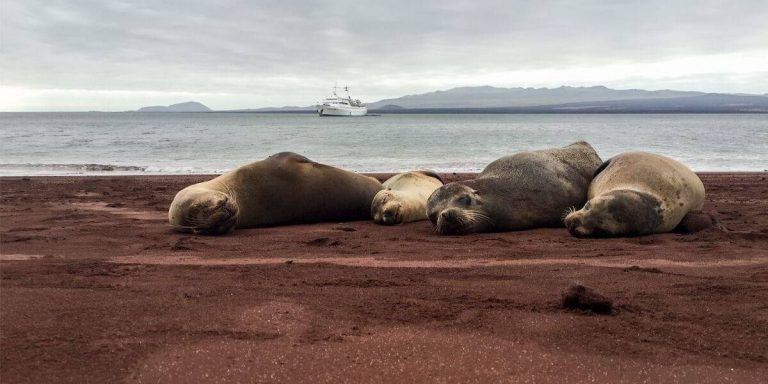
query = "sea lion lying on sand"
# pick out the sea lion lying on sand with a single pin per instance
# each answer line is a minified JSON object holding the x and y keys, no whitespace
{"x":404,"y":198}
{"x":521,"y":191}
{"x":285,"y":188}
{"x":637,"y":193}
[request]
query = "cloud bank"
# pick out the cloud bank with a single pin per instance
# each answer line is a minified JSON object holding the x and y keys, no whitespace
{"x":118,"y":55}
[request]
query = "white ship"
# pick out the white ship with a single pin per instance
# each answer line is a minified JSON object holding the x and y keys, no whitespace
{"x":341,"y":106}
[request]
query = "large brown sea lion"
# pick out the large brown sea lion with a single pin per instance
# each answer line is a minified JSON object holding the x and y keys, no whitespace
{"x":521,"y":191}
{"x":637,"y":193}
{"x":285,"y":188}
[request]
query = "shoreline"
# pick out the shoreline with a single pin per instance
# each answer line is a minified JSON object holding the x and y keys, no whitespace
{"x":95,"y":286}
{"x":459,"y":175}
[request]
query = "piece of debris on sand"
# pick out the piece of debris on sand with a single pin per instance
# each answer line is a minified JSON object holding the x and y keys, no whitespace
{"x":581,"y":297}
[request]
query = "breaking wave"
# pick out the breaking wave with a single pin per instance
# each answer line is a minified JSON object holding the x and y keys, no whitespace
{"x":31,"y":169}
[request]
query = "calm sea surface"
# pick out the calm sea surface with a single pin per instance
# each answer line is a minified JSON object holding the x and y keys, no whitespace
{"x":178,"y":143}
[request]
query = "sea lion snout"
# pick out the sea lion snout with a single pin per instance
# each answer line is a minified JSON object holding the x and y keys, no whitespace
{"x":576,"y":229}
{"x":450,"y":221}
{"x":218,"y":220}
{"x":391,"y":215}
{"x":203,"y":211}
{"x":574,"y":225}
{"x":385,"y":209}
{"x":222,"y":201}
{"x":388,"y":214}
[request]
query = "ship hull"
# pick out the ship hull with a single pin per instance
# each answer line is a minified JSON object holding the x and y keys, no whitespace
{"x":325,"y":110}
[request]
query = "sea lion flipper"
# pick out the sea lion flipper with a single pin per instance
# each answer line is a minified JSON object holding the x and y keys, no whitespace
{"x":602,"y":167}
{"x":580,"y":142}
{"x":696,"y":221}
{"x":290,"y":156}
{"x":430,"y":173}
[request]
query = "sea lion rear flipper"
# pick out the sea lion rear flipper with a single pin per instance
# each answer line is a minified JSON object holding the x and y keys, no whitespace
{"x":602,"y":167}
{"x":429,"y":173}
{"x":696,"y":221}
{"x":290,"y":156}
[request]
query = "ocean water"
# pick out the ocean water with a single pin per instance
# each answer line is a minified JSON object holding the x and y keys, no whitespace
{"x":183,"y":143}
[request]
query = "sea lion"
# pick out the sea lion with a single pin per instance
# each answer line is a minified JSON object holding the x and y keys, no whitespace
{"x":285,"y":188}
{"x":637,"y":193}
{"x":521,"y":191}
{"x":404,"y":198}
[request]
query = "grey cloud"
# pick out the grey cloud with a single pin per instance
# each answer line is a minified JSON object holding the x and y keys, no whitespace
{"x":239,"y":46}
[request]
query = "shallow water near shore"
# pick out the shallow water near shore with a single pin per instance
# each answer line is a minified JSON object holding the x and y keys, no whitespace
{"x":181,"y":143}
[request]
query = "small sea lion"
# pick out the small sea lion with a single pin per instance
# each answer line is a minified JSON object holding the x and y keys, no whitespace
{"x":285,"y":188}
{"x":404,"y":197}
{"x":521,"y":191}
{"x":637,"y":193}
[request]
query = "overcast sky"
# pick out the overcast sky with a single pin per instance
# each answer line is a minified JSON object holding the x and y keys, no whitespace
{"x":121,"y":55}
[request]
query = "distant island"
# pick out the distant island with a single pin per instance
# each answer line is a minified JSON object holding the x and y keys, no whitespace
{"x":488,"y":99}
{"x":189,"y":106}
{"x":597,"y":99}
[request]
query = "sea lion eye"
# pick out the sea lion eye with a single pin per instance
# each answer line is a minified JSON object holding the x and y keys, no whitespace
{"x":465,"y":200}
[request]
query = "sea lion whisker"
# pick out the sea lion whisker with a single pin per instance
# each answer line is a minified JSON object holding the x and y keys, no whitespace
{"x":470,"y":218}
{"x":191,"y":220}
{"x":182,"y":226}
{"x":194,"y":221}
{"x":478,"y":214}
{"x":466,"y":222}
{"x":567,"y":212}
{"x":478,"y":217}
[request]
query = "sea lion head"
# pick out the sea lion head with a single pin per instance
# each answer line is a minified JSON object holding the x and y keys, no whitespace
{"x":617,"y":213}
{"x":387,"y":208}
{"x":203,"y":211}
{"x":456,"y":209}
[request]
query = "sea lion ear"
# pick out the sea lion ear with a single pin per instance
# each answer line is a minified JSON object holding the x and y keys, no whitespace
{"x":475,"y":191}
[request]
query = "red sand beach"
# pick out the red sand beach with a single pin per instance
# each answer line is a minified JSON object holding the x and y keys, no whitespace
{"x":95,"y":287}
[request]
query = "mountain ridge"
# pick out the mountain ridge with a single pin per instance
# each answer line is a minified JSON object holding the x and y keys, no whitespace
{"x":189,"y":106}
{"x":489,"y":96}
{"x":563,"y":99}
{"x":704,"y":103}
